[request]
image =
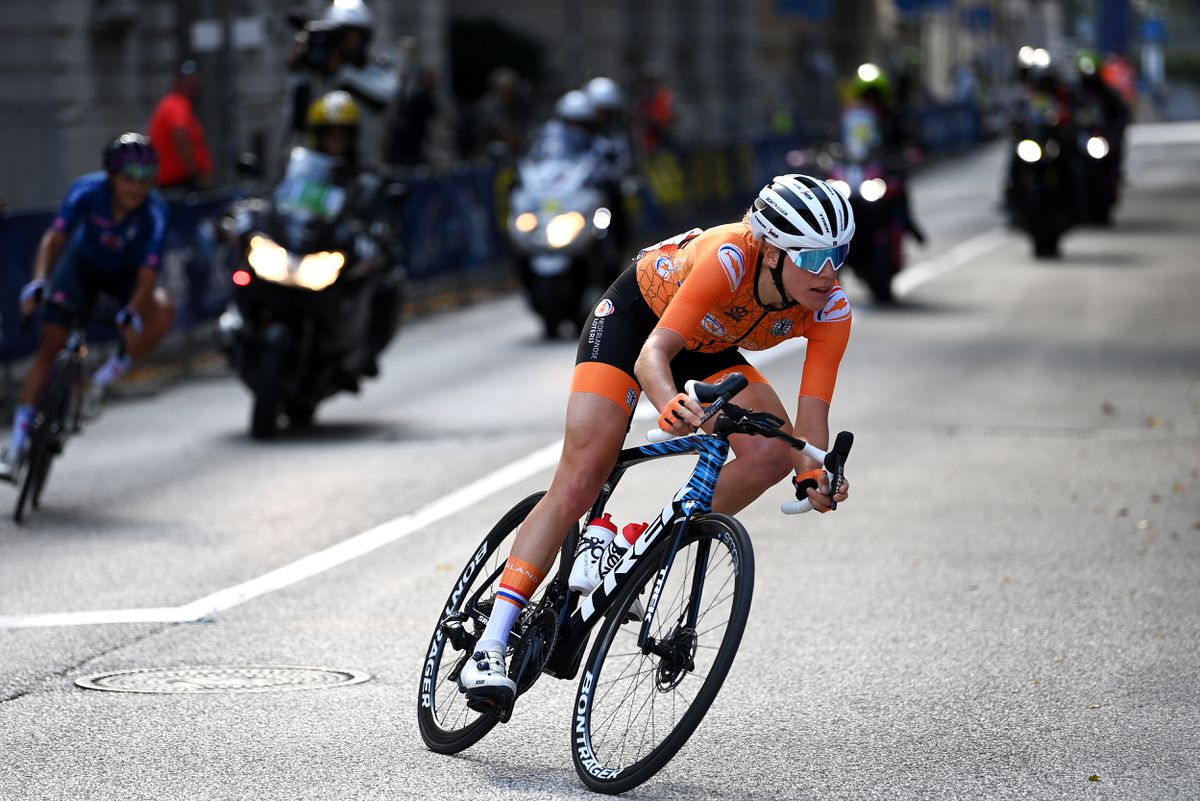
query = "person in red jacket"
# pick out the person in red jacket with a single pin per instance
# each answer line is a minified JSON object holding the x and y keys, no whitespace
{"x":178,"y":136}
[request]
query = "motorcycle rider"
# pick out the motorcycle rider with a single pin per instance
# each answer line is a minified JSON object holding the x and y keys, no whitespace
{"x":1043,"y":107}
{"x":109,"y":234}
{"x":333,"y":129}
{"x":871,"y":122}
{"x":1094,"y":97}
{"x":613,"y":150}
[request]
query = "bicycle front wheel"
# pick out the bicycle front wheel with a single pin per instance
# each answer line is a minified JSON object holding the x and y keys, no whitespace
{"x":635,"y":708}
{"x":37,"y":467}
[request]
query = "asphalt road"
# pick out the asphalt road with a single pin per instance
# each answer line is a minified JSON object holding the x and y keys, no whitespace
{"x":1007,"y":607}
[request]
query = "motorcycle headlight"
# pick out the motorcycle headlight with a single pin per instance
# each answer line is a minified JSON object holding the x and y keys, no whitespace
{"x":273,"y":263}
{"x":526,"y":222}
{"x":268,"y":260}
{"x":562,"y":230}
{"x":873,"y":189}
{"x":842,"y":187}
{"x":319,"y":270}
{"x":1029,"y":150}
{"x":1097,"y":147}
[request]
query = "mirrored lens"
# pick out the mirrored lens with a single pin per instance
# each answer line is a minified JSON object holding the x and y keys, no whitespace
{"x":139,"y":172}
{"x":813,"y":261}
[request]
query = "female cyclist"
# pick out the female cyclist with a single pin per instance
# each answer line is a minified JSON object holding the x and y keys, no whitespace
{"x":684,"y":310}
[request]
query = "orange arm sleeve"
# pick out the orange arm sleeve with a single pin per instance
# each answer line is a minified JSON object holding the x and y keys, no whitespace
{"x":826,"y":344}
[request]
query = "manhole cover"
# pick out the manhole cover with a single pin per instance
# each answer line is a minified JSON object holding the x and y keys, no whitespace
{"x":221,"y":679}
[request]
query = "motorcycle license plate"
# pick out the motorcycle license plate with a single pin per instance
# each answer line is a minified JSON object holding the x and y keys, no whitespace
{"x":548,"y":265}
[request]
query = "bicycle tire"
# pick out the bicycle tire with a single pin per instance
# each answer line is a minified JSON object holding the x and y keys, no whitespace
{"x":39,"y":437}
{"x":606,"y":758}
{"x":50,"y":410}
{"x":447,"y":725}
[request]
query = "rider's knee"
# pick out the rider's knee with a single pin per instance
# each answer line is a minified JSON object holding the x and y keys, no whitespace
{"x":578,"y":492}
{"x":769,"y":462}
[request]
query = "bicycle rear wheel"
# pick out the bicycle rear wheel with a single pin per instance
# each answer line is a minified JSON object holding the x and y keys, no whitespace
{"x":634,"y":710}
{"x":447,"y":724}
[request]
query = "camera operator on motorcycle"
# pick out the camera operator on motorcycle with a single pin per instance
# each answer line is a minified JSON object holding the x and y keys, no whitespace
{"x":109,"y":234}
{"x":333,"y":130}
{"x":872,"y":122}
{"x":331,"y":52}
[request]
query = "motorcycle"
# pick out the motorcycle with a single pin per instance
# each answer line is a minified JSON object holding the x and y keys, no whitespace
{"x":317,"y":290}
{"x":1100,"y":164}
{"x":1042,"y":189}
{"x":558,"y":224}
{"x":876,"y":195}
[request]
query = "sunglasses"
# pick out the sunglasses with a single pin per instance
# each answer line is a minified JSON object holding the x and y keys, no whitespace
{"x":813,"y":261}
{"x":139,"y":172}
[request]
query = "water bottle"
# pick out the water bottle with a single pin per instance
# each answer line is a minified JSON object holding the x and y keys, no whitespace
{"x":619,"y":545}
{"x":585,"y":571}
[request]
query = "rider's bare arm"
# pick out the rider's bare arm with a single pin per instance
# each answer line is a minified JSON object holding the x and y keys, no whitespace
{"x":812,"y":425}
{"x":653,"y":372}
{"x":144,"y":291}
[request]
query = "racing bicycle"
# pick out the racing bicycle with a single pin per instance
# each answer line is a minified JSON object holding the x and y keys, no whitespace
{"x":647,"y":682}
{"x":58,"y":413}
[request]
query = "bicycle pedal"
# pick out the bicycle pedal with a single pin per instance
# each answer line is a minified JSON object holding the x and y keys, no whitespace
{"x":490,"y":705}
{"x":453,"y":628}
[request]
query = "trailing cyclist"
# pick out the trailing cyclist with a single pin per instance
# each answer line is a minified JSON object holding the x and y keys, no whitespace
{"x":684,"y":310}
{"x":109,"y":234}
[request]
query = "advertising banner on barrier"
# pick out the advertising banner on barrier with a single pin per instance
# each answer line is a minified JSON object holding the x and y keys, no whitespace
{"x":453,"y":223}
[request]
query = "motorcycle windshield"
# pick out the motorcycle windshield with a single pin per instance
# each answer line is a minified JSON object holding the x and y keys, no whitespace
{"x":558,"y":140}
{"x":307,"y":193}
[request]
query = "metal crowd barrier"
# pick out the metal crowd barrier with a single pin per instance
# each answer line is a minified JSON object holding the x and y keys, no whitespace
{"x":453,"y":222}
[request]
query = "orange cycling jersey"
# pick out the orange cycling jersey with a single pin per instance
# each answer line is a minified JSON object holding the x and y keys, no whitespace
{"x":703,"y":285}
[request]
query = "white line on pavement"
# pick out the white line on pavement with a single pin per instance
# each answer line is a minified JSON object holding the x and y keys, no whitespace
{"x":400,"y":527}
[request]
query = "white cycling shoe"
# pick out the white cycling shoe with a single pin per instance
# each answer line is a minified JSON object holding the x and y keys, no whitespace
{"x":9,"y":463}
{"x":483,"y":677}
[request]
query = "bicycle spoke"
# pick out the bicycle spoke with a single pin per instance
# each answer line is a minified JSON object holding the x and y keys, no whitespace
{"x":642,"y":701}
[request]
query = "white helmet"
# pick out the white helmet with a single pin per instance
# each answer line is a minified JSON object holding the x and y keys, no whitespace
{"x":604,"y":93}
{"x":799,"y":211}
{"x":349,"y":14}
{"x":574,"y":106}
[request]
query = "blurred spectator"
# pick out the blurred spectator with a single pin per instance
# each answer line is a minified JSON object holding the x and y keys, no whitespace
{"x":656,"y":109}
{"x":910,"y":92}
{"x":410,"y":119}
{"x":500,"y":119}
{"x":178,"y":136}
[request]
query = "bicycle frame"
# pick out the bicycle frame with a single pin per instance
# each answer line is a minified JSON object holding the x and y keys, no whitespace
{"x":578,"y":615}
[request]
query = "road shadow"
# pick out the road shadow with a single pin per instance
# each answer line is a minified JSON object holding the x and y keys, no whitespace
{"x":1091,"y":258}
{"x":338,"y":432}
{"x":910,"y":306}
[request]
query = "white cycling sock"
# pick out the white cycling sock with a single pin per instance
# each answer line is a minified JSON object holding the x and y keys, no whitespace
{"x":112,"y":370}
{"x":20,"y":431}
{"x":499,"y":626}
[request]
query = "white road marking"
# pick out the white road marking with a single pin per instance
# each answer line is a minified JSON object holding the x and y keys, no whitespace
{"x":400,"y":527}
{"x":923,"y":272}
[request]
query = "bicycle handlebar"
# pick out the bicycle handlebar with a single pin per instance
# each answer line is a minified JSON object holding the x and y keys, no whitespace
{"x":742,"y":421}
{"x":834,"y":462}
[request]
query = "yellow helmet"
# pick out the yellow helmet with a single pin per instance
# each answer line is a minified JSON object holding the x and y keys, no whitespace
{"x":335,"y":108}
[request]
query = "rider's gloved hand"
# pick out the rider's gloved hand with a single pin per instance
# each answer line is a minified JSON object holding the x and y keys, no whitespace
{"x":31,"y":295}
{"x":128,"y":317}
{"x":814,"y":486}
{"x":681,"y":416}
